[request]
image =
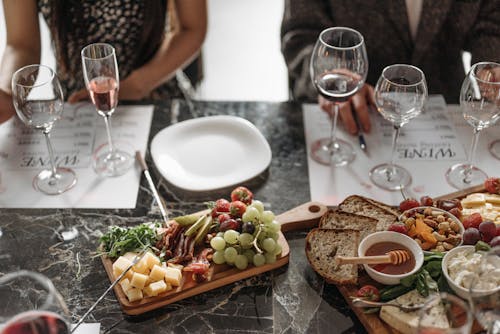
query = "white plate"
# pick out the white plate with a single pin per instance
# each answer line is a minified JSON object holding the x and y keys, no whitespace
{"x":210,"y":152}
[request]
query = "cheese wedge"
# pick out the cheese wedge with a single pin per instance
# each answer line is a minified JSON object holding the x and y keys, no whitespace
{"x":134,"y":294}
{"x":155,"y":288}
{"x":157,"y":273}
{"x":151,"y":260}
{"x":173,"y":276}
{"x":120,"y":265}
{"x":125,"y":284}
{"x":138,"y":280}
{"x":474,"y":199}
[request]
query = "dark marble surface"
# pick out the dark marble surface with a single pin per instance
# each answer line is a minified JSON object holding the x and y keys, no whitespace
{"x":291,"y":299}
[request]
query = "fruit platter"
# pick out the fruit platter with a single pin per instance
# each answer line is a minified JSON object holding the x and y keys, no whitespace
{"x":442,"y":239}
{"x":161,"y":263}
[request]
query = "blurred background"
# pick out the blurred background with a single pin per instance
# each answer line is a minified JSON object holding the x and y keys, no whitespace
{"x":241,"y":55}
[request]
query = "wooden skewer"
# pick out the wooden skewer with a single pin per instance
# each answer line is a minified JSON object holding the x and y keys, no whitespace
{"x":395,"y":257}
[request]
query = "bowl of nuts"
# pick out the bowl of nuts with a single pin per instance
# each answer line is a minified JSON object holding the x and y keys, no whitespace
{"x":435,"y":230}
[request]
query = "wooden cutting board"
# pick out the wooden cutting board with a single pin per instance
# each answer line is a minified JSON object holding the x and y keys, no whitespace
{"x":302,"y":217}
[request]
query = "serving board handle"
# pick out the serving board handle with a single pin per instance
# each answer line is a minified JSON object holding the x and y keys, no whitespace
{"x":304,"y":216}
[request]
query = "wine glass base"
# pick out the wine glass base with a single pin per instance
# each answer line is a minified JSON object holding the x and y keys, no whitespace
{"x":390,"y":177}
{"x":456,"y":177}
{"x":494,"y":148}
{"x":324,"y":152}
{"x":50,"y":184}
{"x":112,"y":164}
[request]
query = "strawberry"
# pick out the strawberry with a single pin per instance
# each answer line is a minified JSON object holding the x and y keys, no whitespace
{"x":242,"y":194}
{"x":220,"y":206}
{"x":492,"y":185}
{"x":237,"y":208}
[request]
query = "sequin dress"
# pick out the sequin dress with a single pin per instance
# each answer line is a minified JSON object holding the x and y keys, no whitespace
{"x":117,"y":22}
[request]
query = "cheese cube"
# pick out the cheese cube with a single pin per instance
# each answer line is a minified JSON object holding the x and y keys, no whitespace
{"x":141,"y":267}
{"x":138,"y":280}
{"x":175,"y":265}
{"x":120,"y":265}
{"x":134,"y":294}
{"x":151,"y":260}
{"x":130,"y":255}
{"x":125,"y":284}
{"x":173,"y":276}
{"x":155,"y":288}
{"x":157,"y":273}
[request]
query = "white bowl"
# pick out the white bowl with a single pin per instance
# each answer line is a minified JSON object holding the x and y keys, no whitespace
{"x":398,"y":238}
{"x":458,"y":289}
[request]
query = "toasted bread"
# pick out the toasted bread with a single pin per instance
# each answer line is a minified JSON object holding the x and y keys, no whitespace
{"x":323,"y":245}
{"x":338,"y":219}
{"x":363,"y":206}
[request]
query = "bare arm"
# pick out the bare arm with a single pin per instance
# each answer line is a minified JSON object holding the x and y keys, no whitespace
{"x":22,"y":48}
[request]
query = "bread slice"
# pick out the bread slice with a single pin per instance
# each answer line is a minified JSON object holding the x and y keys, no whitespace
{"x":338,"y":219}
{"x":323,"y":245}
{"x":362,"y":206}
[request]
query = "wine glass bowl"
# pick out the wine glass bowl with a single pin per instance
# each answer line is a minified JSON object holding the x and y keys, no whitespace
{"x":400,"y":95}
{"x":480,"y":105}
{"x":338,"y":69}
{"x":38,"y":100}
{"x":100,"y":70}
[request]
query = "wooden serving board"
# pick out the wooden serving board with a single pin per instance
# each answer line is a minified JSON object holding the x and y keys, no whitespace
{"x":304,"y":216}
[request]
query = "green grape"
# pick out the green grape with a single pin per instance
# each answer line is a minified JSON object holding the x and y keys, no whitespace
{"x":251,"y":214}
{"x":259,"y":260}
{"x":218,"y":257}
{"x":258,"y":205}
{"x":241,"y":262}
{"x":230,"y":254}
{"x":269,"y":245}
{"x":270,"y":258}
{"x":274,"y":226}
{"x":245,"y":239}
{"x":218,"y":243}
{"x":277,"y":250}
{"x":273,"y":235}
{"x":267,"y":217}
{"x":231,"y":236}
{"x":249,"y":253}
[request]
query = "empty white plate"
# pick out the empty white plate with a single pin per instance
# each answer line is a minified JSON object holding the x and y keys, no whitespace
{"x":210,"y":153}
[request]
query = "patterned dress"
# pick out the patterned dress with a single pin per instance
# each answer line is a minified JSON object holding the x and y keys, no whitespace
{"x":117,"y":22}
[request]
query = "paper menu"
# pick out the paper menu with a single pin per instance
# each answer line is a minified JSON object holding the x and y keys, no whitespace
{"x":23,"y":153}
{"x":440,"y":128}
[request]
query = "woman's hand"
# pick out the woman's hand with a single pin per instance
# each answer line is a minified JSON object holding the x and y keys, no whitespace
{"x":359,"y":104}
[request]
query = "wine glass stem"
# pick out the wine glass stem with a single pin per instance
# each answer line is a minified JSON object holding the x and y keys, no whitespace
{"x":107,"y":121}
{"x":468,"y":168}
{"x":51,"y":154}
{"x":395,"y":135}
{"x":333,"y":131}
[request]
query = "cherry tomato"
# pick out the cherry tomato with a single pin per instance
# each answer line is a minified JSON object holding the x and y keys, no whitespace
{"x":369,"y":292}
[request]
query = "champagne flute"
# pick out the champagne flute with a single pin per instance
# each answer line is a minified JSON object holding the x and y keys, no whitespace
{"x":400,"y":95}
{"x":31,"y":305}
{"x":484,"y":292}
{"x":480,"y":104}
{"x":100,"y":71}
{"x":38,"y":100}
{"x":338,"y":68}
{"x":444,"y":313}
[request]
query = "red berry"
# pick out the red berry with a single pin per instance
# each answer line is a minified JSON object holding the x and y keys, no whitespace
{"x":408,"y":204}
{"x":426,"y":201}
{"x":398,"y":227}
{"x":472,"y":221}
{"x":237,"y":208}
{"x":492,"y":185}
{"x":488,"y":230}
{"x":230,"y":224}
{"x":242,"y":194}
{"x":223,"y":217}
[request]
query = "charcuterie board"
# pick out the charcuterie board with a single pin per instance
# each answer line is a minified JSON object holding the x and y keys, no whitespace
{"x":304,"y":216}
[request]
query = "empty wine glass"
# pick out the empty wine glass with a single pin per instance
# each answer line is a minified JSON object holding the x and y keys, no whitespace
{"x":494,"y":148}
{"x":444,"y":313}
{"x":38,"y":100}
{"x":338,"y":67}
{"x":31,"y":305}
{"x":484,"y":292}
{"x":480,"y":104}
{"x":100,"y":71}
{"x":400,"y":95}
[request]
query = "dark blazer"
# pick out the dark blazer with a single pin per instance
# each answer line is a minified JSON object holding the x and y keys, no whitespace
{"x":446,"y":28}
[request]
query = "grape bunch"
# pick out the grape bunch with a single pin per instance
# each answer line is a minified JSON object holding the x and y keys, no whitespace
{"x":247,"y":235}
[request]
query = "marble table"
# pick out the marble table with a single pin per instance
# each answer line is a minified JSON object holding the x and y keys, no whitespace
{"x":292,"y":299}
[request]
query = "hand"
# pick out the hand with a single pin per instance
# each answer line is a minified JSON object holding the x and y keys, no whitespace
{"x":6,"y":107}
{"x":358,"y":103}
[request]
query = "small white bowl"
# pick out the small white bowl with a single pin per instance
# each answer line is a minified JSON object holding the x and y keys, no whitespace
{"x":399,"y":238}
{"x":458,"y":289}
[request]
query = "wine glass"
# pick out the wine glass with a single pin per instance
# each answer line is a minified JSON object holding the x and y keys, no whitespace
{"x":494,"y":148}
{"x":484,"y":294}
{"x":31,"y":305}
{"x":400,"y":95}
{"x":100,"y":71}
{"x":480,"y":104}
{"x":338,"y":68}
{"x":444,"y":313}
{"x":38,"y":100}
